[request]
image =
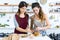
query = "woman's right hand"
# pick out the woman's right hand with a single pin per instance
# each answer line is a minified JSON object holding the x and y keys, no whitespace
{"x":28,"y":30}
{"x":38,"y":28}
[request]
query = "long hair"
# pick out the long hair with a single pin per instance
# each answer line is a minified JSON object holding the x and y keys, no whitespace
{"x":40,"y":14}
{"x":21,"y":4}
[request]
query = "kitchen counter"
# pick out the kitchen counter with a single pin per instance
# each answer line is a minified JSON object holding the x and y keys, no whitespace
{"x":31,"y":38}
{"x":51,"y":30}
{"x":36,"y":38}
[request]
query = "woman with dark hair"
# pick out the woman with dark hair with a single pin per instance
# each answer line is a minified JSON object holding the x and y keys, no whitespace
{"x":21,"y":22}
{"x":39,"y":20}
{"x":21,"y":19}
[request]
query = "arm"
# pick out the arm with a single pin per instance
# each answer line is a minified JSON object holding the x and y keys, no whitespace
{"x":20,"y":29}
{"x":28,"y":26}
{"x":47,"y":24}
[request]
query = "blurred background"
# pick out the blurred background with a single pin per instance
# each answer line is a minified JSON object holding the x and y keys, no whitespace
{"x":8,"y":8}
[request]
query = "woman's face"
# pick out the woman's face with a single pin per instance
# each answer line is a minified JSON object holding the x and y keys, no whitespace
{"x":23,"y":9}
{"x":36,"y":10}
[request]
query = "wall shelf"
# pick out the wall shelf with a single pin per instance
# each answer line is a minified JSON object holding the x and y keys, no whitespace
{"x":13,"y":12}
{"x":12,"y":5}
{"x":10,"y":8}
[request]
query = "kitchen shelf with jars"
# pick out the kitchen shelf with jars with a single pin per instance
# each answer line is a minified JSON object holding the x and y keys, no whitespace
{"x":11,"y":8}
{"x":54,"y":12}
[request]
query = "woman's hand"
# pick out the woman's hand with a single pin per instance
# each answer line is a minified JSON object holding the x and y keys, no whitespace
{"x":38,"y":28}
{"x":41,"y":28}
{"x":45,"y":28}
{"x":28,"y":30}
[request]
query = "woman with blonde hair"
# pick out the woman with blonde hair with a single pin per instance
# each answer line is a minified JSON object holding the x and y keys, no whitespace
{"x":39,"y":20}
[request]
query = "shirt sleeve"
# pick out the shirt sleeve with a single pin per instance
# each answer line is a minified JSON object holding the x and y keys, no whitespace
{"x":15,"y":22}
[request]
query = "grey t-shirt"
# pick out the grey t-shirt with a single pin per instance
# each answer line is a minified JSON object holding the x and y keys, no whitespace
{"x":15,"y":22}
{"x":39,"y":24}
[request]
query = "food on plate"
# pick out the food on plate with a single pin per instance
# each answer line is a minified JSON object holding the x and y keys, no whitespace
{"x":36,"y":33}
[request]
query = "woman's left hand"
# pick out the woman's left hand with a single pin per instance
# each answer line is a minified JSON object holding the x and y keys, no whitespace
{"x":45,"y":28}
{"x":38,"y":28}
{"x":41,"y":28}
